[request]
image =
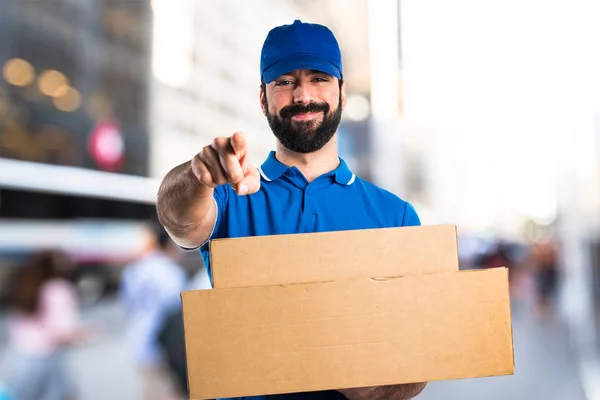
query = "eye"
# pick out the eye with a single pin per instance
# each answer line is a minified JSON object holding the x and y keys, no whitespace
{"x":320,"y":79}
{"x":283,"y":83}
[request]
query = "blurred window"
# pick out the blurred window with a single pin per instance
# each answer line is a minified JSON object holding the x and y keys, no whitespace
{"x":90,"y":62}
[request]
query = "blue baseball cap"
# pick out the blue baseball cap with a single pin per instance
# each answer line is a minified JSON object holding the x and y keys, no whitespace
{"x":300,"y":46}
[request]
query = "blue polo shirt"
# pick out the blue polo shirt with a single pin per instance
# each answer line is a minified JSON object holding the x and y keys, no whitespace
{"x":287,"y":203}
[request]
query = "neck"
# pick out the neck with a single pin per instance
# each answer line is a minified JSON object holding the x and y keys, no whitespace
{"x":312,"y":165}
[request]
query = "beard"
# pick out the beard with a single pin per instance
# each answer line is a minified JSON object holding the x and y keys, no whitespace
{"x":305,"y":136}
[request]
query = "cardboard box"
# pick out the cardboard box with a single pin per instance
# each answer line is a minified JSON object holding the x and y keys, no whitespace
{"x":328,"y":256}
{"x":306,"y":312}
{"x":347,"y":333}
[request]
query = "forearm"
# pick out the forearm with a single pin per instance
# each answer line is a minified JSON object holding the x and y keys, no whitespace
{"x":393,"y":392}
{"x":183,"y":206}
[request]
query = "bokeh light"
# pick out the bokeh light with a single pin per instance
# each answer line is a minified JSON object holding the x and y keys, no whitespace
{"x":18,"y":72}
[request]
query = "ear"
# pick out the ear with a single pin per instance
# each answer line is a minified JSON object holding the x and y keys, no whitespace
{"x":262,"y":100}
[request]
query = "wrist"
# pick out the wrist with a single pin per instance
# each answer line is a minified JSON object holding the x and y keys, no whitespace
{"x":183,"y":201}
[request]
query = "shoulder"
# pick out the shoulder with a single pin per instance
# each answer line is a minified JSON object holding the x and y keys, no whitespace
{"x":389,"y":202}
{"x":377,"y":192}
{"x":382,"y":197}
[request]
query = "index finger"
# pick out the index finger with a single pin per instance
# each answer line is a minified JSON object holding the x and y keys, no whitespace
{"x":238,"y":142}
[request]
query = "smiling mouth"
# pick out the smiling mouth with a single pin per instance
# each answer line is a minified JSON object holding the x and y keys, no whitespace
{"x":305,"y":116}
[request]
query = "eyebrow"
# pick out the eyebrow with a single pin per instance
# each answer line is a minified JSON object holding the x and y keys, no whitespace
{"x":317,"y":72}
{"x":310,"y":72}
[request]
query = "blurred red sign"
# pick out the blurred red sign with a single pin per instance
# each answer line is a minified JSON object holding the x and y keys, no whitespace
{"x":106,"y":146}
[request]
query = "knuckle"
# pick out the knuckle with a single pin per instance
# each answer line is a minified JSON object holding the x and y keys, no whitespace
{"x":219,"y":143}
{"x":206,"y":178}
{"x":196,"y":167}
{"x":198,"y":164}
{"x":204,"y":153}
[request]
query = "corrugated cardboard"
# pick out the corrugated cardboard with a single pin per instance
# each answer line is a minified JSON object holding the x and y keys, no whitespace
{"x":347,"y":333}
{"x":316,"y":257}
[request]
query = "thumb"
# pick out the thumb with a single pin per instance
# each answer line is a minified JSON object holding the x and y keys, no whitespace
{"x":239,"y":144}
{"x":250,"y":184}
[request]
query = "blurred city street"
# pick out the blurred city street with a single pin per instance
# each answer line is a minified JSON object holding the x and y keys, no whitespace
{"x":545,"y":368}
{"x":545,"y":365}
{"x":483,"y":117}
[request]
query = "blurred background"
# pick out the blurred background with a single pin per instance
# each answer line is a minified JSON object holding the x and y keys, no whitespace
{"x":483,"y":114}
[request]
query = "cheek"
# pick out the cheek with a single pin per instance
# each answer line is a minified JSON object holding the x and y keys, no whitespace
{"x":279,"y":100}
{"x":334,"y":101}
{"x":331,"y":97}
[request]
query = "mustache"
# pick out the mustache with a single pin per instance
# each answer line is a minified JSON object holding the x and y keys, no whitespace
{"x":295,"y":109}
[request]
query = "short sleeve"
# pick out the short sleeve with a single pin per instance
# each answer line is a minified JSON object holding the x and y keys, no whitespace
{"x":221,"y":199}
{"x":410,"y":217}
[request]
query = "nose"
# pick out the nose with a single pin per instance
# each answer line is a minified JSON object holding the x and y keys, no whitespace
{"x":302,"y":94}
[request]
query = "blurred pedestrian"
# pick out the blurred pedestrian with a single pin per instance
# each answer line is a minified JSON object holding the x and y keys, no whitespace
{"x":544,"y":255}
{"x":43,"y":323}
{"x":150,"y":289}
{"x":171,"y":334}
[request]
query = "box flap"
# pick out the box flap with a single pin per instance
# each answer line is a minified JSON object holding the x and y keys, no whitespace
{"x":325,"y":256}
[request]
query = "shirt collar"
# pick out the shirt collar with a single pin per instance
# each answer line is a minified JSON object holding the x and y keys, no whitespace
{"x":343,"y":175}
{"x":272,"y":170}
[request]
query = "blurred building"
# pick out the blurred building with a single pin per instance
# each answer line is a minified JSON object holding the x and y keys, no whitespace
{"x":74,"y":92}
{"x":74,"y":131}
{"x":508,"y":119}
{"x":99,"y":99}
{"x":206,"y":77}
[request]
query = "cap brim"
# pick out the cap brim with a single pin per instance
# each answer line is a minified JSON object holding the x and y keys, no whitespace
{"x":300,"y":61}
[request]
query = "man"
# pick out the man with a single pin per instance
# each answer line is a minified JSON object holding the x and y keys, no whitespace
{"x":302,"y":187}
